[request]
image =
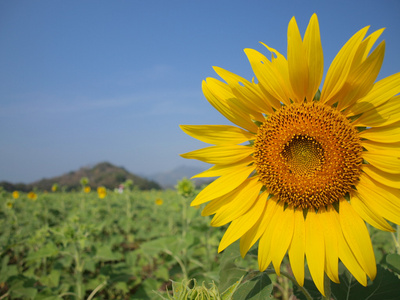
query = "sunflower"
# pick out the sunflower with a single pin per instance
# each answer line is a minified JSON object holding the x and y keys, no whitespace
{"x":33,"y":196}
{"x":101,"y":192}
{"x":303,"y":170}
{"x":15,"y":194}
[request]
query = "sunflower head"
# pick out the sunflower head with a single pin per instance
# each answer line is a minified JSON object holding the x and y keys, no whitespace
{"x":15,"y":194}
{"x":301,"y":170}
{"x":33,"y":196}
{"x":101,"y":192}
{"x":307,"y":155}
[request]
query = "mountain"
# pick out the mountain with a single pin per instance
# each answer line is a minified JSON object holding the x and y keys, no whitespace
{"x":169,"y":179}
{"x":102,"y":174}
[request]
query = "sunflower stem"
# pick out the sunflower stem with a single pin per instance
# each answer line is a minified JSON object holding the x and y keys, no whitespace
{"x":294,"y":281}
{"x":327,"y":288}
{"x":396,"y":239}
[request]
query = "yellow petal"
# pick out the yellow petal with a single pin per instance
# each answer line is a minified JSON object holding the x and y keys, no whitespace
{"x":382,"y":199}
{"x":251,"y":236}
{"x":218,"y":134}
{"x":370,"y":41}
{"x":340,"y":68}
{"x":357,"y":237}
{"x":242,"y":224}
{"x":315,"y":57}
{"x":368,"y":214}
{"x":220,"y":170}
{"x":297,"y":62}
{"x":381,"y":92}
{"x":265,"y":245}
{"x":315,"y":249}
{"x":383,"y":115}
{"x":281,"y":65}
{"x":350,"y":261}
{"x":249,"y":192}
{"x":361,"y":79}
{"x":222,"y":186}
{"x":282,"y":237}
{"x":386,"y":163}
{"x":246,"y":91}
{"x":297,"y":247}
{"x":214,"y":205}
{"x":345,"y":253}
{"x":382,"y":149}
{"x":386,"y":134}
{"x":220,"y":96}
{"x":391,"y":180}
{"x":268,"y":75}
{"x":226,"y":154}
{"x":325,"y":217}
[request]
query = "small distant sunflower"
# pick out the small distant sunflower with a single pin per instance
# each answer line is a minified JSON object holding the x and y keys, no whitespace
{"x":86,"y":189}
{"x":55,"y":187}
{"x":102,"y":192}
{"x":159,"y":201}
{"x":303,"y":170}
{"x":15,"y":194}
{"x":33,"y":196}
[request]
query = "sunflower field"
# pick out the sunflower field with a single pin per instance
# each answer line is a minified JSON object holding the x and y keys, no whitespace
{"x":147,"y":245}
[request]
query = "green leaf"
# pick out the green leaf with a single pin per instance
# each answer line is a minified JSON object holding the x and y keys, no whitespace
{"x":51,"y":280}
{"x":6,"y":270}
{"x":104,"y":253}
{"x":258,"y":288}
{"x":228,"y":294}
{"x":48,"y":250}
{"x":393,"y":261}
{"x":162,"y":273}
{"x":229,"y":273}
{"x":23,"y":288}
{"x":156,"y":246}
{"x":311,"y":289}
{"x":385,"y":286}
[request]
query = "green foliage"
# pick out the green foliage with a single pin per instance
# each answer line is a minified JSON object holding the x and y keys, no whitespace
{"x":185,"y":291}
{"x":76,"y":246}
{"x":185,"y":187}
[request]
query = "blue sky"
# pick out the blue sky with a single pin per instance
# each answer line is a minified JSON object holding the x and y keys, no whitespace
{"x":88,"y":81}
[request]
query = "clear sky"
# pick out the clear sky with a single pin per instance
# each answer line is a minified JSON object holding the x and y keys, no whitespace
{"x":88,"y":81}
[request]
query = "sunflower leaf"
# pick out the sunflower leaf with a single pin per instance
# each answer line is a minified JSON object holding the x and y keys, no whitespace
{"x":385,"y":286}
{"x":310,"y":287}
{"x":259,"y":287}
{"x":229,"y":272}
{"x":393,"y":261}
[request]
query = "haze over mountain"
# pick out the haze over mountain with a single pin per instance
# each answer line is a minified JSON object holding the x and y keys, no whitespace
{"x":169,"y":179}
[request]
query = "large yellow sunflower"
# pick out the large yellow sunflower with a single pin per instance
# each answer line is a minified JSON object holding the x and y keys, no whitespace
{"x":304,"y":169}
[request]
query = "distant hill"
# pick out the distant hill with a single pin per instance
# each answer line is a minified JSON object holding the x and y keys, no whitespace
{"x":169,"y":179}
{"x":102,"y":174}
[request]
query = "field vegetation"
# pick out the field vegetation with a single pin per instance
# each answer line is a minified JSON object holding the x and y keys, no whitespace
{"x":137,"y":244}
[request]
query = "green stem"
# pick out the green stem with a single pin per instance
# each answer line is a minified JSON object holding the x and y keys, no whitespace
{"x":98,"y":288}
{"x":128,"y":214}
{"x":78,"y":274}
{"x":396,"y":239}
{"x":327,"y":288}
{"x":184,"y":230}
{"x":292,"y":279}
{"x":180,"y":262}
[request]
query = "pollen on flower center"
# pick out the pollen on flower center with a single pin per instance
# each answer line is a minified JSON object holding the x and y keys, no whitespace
{"x":303,"y":155}
{"x":308,"y":155}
